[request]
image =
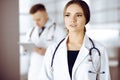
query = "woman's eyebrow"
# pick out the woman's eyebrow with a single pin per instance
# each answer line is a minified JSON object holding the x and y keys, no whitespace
{"x":79,"y":13}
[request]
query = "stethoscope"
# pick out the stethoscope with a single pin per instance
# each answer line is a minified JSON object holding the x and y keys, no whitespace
{"x":96,"y":71}
{"x":52,"y":25}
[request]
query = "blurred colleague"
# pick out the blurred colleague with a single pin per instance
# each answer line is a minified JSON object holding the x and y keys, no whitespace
{"x":45,"y":33}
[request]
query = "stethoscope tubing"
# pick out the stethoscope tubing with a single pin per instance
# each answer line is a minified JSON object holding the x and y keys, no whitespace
{"x":55,"y":51}
{"x":54,"y":24}
{"x":89,"y":51}
{"x":96,"y":71}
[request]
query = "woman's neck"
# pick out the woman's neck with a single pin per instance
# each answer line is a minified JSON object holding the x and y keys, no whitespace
{"x":75,"y":41}
{"x":76,"y":37}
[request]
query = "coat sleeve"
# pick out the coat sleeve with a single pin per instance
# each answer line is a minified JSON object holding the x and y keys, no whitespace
{"x":105,"y":66}
{"x":46,"y":71}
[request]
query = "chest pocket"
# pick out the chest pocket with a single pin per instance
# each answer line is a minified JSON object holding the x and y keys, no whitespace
{"x":93,"y":61}
{"x":83,"y":70}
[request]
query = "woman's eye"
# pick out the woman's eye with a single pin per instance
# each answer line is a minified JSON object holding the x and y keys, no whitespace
{"x":79,"y":15}
{"x":67,"y":15}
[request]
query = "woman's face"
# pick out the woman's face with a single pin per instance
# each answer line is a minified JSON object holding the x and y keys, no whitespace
{"x":74,"y":18}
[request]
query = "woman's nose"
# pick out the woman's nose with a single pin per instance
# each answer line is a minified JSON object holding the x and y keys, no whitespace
{"x":73,"y":19}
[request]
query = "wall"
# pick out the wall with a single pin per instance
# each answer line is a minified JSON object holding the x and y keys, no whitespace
{"x":105,"y":14}
{"x":9,"y":36}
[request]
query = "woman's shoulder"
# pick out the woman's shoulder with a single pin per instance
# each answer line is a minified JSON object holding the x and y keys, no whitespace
{"x":99,"y":45}
{"x":55,"y":46}
{"x":51,"y":48}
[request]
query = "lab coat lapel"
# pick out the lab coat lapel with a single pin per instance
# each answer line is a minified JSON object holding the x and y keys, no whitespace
{"x":35,"y":36}
{"x":48,"y":32}
{"x":83,"y":53}
{"x":64,"y":59}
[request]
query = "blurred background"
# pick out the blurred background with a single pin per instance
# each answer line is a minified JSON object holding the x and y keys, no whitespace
{"x":15,"y":21}
{"x":103,"y":27}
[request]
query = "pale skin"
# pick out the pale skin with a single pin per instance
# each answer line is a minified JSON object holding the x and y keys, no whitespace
{"x":75,"y":23}
{"x":40,"y":18}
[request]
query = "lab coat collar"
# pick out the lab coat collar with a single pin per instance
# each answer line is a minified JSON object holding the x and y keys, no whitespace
{"x":49,"y":23}
{"x":83,"y":53}
{"x":86,"y":42}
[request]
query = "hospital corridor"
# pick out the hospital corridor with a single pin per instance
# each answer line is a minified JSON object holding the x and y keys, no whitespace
{"x":16,"y":21}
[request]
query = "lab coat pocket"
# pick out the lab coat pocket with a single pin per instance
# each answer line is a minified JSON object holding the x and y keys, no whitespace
{"x":91,"y":76}
{"x":50,"y":37}
{"x":90,"y":71}
{"x":83,"y":71}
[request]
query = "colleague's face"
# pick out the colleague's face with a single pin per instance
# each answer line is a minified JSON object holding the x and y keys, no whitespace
{"x":74,"y":18}
{"x":40,"y":18}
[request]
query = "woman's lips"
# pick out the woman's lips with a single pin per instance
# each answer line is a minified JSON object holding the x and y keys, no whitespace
{"x":72,"y":25}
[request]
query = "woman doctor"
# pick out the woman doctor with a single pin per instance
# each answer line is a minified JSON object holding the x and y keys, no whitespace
{"x":77,"y":57}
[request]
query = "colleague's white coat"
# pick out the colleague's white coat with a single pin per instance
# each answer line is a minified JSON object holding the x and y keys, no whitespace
{"x":82,"y":65}
{"x":51,"y":34}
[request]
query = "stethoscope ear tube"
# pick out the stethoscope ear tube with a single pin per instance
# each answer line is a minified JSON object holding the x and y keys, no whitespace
{"x":31,"y":32}
{"x":96,"y":72}
{"x":55,"y":51}
{"x":93,"y":48}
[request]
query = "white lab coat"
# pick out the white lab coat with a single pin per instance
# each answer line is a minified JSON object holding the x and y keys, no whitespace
{"x":51,"y":34}
{"x":82,"y":65}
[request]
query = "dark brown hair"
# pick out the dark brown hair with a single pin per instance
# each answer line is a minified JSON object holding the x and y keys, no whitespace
{"x":83,"y":5}
{"x":37,"y":7}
